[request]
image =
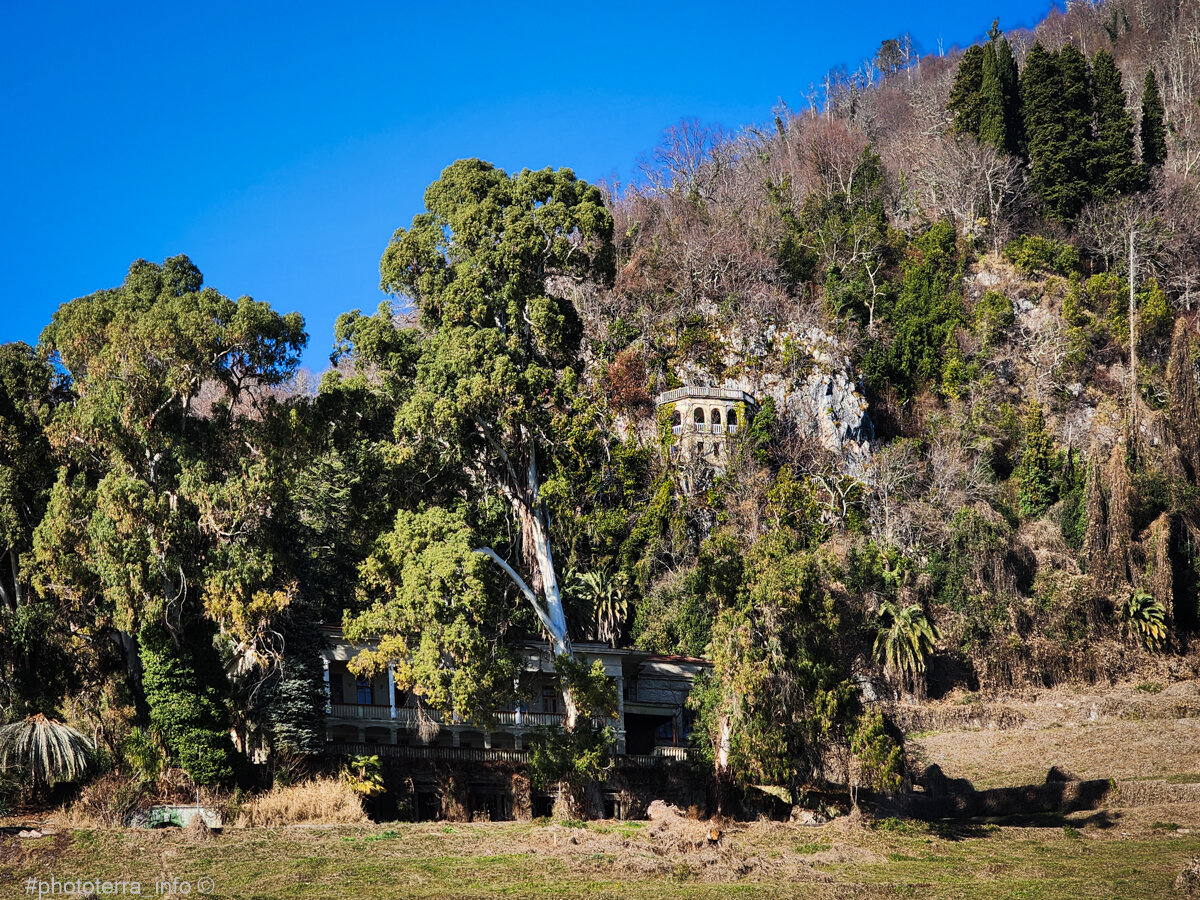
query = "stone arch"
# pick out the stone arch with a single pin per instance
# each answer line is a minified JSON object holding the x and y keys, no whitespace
{"x":714,"y":416}
{"x":731,"y":417}
{"x":698,"y":415}
{"x":676,"y":419}
{"x":377,"y":735}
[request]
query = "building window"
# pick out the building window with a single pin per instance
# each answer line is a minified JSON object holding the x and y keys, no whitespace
{"x":549,"y":700}
{"x":698,"y":417}
{"x":700,"y":448}
{"x":731,"y":417}
{"x":716,"y":450}
{"x":366,"y":691}
{"x":675,"y":418}
{"x":715,"y":417}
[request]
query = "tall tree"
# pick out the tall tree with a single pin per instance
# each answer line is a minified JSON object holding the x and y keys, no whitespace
{"x":780,"y":695}
{"x":1154,"y":128}
{"x":169,"y":492}
{"x":1114,"y":170}
{"x":1007,"y":73}
{"x":1056,"y":103}
{"x":35,"y":660}
{"x":966,"y":100}
{"x":491,"y":266}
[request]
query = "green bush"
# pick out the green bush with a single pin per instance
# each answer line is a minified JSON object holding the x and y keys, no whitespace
{"x":1033,"y":253}
{"x":993,"y":313}
{"x":186,"y":708}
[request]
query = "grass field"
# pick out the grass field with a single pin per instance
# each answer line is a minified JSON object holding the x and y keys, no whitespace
{"x":1145,"y":737}
{"x":1120,"y":855}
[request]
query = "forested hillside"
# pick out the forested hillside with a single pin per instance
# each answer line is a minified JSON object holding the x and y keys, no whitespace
{"x":960,"y":287}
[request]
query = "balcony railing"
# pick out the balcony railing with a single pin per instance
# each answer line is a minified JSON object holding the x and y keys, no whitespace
{"x":701,"y":427}
{"x":483,"y":754}
{"x":360,"y":711}
{"x":705,"y":393}
{"x":408,"y":714}
{"x":465,"y":754}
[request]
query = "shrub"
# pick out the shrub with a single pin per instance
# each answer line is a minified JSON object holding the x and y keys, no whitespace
{"x":1144,"y":619}
{"x":107,"y":802}
{"x":993,"y":313}
{"x":1033,"y":253}
{"x":322,"y":801}
{"x":186,"y":709}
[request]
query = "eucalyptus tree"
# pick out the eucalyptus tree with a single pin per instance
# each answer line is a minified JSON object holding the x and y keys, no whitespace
{"x":491,"y":268}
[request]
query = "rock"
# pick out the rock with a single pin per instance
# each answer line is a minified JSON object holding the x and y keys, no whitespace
{"x":802,"y":816}
{"x":29,"y":833}
{"x":1188,"y":881}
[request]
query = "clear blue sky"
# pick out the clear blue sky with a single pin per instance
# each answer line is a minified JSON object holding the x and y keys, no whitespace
{"x":279,"y":145}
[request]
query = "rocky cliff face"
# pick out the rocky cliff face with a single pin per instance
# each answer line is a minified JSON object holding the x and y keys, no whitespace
{"x":810,"y":379}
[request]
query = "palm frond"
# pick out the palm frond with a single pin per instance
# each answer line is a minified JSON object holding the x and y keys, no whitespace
{"x":48,"y":749}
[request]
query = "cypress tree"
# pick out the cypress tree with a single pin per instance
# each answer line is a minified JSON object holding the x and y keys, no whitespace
{"x":1114,"y":171}
{"x":1035,"y":475}
{"x":965,"y":99}
{"x":1006,"y":69}
{"x":1154,"y":129}
{"x":993,"y":123}
{"x":1056,"y":102}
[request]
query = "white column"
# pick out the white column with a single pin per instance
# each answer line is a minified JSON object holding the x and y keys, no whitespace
{"x":328,"y":695}
{"x":620,"y":714}
{"x":391,"y":691}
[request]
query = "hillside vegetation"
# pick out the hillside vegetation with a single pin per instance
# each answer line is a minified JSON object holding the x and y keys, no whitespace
{"x":961,"y":290}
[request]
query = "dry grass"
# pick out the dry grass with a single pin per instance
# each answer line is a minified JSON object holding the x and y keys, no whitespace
{"x":107,"y":802}
{"x":1136,"y":731}
{"x":321,"y":801}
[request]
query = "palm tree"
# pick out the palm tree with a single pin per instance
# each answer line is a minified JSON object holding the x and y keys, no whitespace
{"x":50,"y":750}
{"x":606,"y":598}
{"x":905,"y":640}
{"x":1144,"y":618}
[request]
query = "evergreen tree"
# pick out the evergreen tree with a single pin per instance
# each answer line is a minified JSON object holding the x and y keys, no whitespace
{"x":1114,"y":171}
{"x":1056,"y":103}
{"x":1154,"y":129}
{"x":985,"y":97}
{"x":1006,"y":70}
{"x":1035,"y":475}
{"x":993,"y":123}
{"x":965,"y":95}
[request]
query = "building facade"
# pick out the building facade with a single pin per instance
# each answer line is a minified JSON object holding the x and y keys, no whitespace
{"x":652,"y":720}
{"x":704,"y":419}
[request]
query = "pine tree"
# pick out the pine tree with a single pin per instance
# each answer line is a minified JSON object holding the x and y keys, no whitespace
{"x":965,"y":98}
{"x":1154,"y":129}
{"x":1056,"y":102}
{"x":1114,"y":171}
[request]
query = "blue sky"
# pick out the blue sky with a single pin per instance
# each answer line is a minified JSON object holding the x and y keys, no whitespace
{"x":279,"y":145}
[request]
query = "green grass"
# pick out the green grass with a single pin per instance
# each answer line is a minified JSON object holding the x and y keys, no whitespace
{"x":1077,"y":858}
